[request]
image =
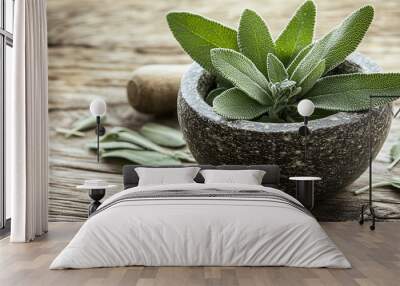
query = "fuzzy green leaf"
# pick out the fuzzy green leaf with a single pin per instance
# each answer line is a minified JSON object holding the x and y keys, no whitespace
{"x":163,"y":135}
{"x":235,"y":104}
{"x":300,"y":56}
{"x":242,"y":72}
{"x":276,"y":69}
{"x":336,"y":45}
{"x":297,"y":34}
{"x":386,"y":183}
{"x":394,"y":156}
{"x":350,"y":92}
{"x":213,"y":94}
{"x":111,"y":145}
{"x":121,"y":134}
{"x":309,"y":81}
{"x":82,"y":124}
{"x":70,"y":132}
{"x":142,"y":157}
{"x":254,"y":39}
{"x":198,"y":35}
{"x":134,"y":137}
{"x":184,"y":156}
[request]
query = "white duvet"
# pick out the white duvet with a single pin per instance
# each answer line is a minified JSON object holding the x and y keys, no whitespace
{"x":200,"y":231}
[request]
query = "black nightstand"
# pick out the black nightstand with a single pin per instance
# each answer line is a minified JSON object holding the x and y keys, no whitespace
{"x":96,"y":193}
{"x":305,"y":190}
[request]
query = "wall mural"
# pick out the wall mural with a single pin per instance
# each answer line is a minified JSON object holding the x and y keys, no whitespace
{"x":123,"y":52}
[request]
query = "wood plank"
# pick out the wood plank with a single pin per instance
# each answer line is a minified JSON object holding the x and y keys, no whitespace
{"x":375,"y":258}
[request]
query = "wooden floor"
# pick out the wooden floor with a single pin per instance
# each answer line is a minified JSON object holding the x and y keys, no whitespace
{"x":375,"y":257}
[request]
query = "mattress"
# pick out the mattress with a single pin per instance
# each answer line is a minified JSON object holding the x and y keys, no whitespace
{"x":201,"y":225}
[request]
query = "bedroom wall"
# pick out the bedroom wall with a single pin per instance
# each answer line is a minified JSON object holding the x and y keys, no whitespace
{"x":94,"y":46}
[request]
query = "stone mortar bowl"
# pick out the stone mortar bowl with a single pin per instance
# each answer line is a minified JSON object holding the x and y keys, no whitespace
{"x":337,"y":146}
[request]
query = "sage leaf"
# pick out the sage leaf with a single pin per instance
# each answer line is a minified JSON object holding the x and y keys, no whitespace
{"x":163,"y":135}
{"x":235,"y":104}
{"x":375,"y":185}
{"x":213,"y":94}
{"x":119,"y":136}
{"x":242,"y":72}
{"x":183,"y":156}
{"x":297,"y":34}
{"x":351,"y":92}
{"x":394,"y":155}
{"x":142,"y":157}
{"x":127,"y":135}
{"x":318,"y":114}
{"x":134,"y":137}
{"x":276,"y":69}
{"x":82,"y":124}
{"x":300,"y":56}
{"x":336,"y":45}
{"x":111,"y":145}
{"x":198,"y":35}
{"x":254,"y":39}
{"x":69,"y":132}
{"x":393,"y":182}
{"x":309,"y":81}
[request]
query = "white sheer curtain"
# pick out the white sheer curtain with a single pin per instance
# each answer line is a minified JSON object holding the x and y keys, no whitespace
{"x":26,"y":123}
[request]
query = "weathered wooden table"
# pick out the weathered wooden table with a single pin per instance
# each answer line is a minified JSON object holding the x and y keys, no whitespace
{"x":94,"y":45}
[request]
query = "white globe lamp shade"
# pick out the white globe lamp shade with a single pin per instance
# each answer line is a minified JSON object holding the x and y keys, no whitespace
{"x":305,"y":108}
{"x":98,"y":107}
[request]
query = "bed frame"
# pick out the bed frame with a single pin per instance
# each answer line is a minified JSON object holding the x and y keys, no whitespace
{"x":271,"y":178}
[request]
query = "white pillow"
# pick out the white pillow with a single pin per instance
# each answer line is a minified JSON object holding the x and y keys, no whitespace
{"x":165,"y":176}
{"x":247,"y":177}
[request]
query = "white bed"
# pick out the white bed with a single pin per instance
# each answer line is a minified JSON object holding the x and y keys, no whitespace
{"x":245,"y":225}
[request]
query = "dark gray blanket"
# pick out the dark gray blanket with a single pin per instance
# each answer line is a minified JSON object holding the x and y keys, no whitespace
{"x":206,"y":194}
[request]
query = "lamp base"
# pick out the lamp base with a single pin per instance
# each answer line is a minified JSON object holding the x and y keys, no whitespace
{"x":373,"y":215}
{"x":304,"y":131}
{"x":101,"y":131}
{"x":96,"y":195}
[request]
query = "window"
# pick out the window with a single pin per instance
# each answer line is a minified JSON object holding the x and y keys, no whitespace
{"x":6,"y":44}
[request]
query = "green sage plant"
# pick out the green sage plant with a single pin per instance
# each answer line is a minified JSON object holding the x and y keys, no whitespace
{"x":259,"y":78}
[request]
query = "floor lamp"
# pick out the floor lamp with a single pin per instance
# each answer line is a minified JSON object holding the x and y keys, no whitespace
{"x":305,"y":108}
{"x":98,"y":108}
{"x":369,"y":205}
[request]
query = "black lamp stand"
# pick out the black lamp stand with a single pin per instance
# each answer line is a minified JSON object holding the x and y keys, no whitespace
{"x":369,"y":205}
{"x":96,"y":195}
{"x":305,"y":131}
{"x":100,"y":131}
